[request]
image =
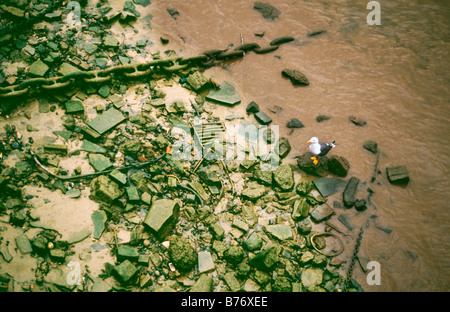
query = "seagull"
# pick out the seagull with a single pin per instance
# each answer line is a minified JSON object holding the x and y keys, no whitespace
{"x":319,"y":148}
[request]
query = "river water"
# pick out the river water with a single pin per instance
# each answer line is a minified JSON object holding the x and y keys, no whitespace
{"x":395,"y":76}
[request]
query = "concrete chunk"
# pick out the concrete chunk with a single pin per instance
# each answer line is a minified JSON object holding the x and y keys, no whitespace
{"x":162,"y":216}
{"x":106,"y":121}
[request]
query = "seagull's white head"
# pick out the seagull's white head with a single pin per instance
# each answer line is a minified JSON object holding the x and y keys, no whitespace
{"x":313,"y":140}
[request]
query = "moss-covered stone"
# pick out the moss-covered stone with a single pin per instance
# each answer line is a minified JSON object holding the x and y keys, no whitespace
{"x":182,"y":254}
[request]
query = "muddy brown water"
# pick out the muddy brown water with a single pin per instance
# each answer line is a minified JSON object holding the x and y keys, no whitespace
{"x":394,"y":75}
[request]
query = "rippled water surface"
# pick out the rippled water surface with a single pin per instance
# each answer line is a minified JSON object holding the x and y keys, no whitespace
{"x":395,"y":76}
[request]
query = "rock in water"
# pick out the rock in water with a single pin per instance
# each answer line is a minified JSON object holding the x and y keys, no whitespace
{"x":284,"y":147}
{"x":294,"y":123}
{"x":371,"y":146}
{"x":398,"y":175}
{"x":338,"y":165}
{"x":306,"y":164}
{"x":296,"y":77}
{"x":349,"y":194}
{"x":263,"y":118}
{"x":268,"y":11}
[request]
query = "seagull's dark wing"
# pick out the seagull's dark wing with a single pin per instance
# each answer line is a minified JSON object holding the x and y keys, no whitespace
{"x":325,"y":148}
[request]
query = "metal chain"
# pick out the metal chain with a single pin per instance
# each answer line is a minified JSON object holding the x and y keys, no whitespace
{"x":176,"y":64}
{"x":353,"y":260}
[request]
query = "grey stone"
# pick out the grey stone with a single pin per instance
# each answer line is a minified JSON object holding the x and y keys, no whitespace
{"x":162,"y":217}
{"x":106,"y":121}
{"x":296,"y":77}
{"x":99,"y":219}
{"x":294,"y":123}
{"x":38,"y":68}
{"x":232,"y":282}
{"x":371,"y":146}
{"x":57,"y":255}
{"x":23,"y":243}
{"x":104,"y":189}
{"x":203,"y":284}
{"x":253,"y":242}
{"x":264,"y":177}
{"x":329,"y":186}
{"x":66,"y":69}
{"x":281,"y":232}
{"x":349,"y":195}
{"x":268,"y":11}
{"x":225,"y":95}
{"x":263,"y":118}
{"x":321,"y":213}
{"x":125,"y":272}
{"x":90,"y":147}
{"x":252,"y":108}
{"x":265,"y":260}
{"x":110,"y":41}
{"x":311,"y":277}
{"x":306,"y":164}
{"x":253,"y":190}
{"x":104,"y":91}
{"x":300,"y":209}
{"x":197,"y":186}
{"x":284,"y":177}
{"x":284,"y":147}
{"x":343,"y":219}
{"x":127,"y":253}
{"x":99,"y":162}
{"x":361,"y":205}
{"x":197,"y":81}
{"x":398,"y":175}
{"x":205,"y":262}
{"x":338,"y":165}
{"x":305,"y":226}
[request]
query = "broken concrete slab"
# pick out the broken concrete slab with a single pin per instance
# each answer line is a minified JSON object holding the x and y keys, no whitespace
{"x":280,"y":231}
{"x":263,"y":118}
{"x":329,"y":186}
{"x":162,"y":217}
{"x":99,"y":162}
{"x":321,"y":213}
{"x":349,"y":195}
{"x":74,"y":107}
{"x":106,"y":121}
{"x":38,"y":69}
{"x":105,"y":189}
{"x":205,"y":262}
{"x":99,"y":219}
{"x":125,"y":272}
{"x":225,"y":95}
{"x":23,"y":244}
{"x":90,"y":147}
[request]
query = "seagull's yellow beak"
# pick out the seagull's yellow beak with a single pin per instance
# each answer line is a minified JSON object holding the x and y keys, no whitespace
{"x":308,"y":142}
